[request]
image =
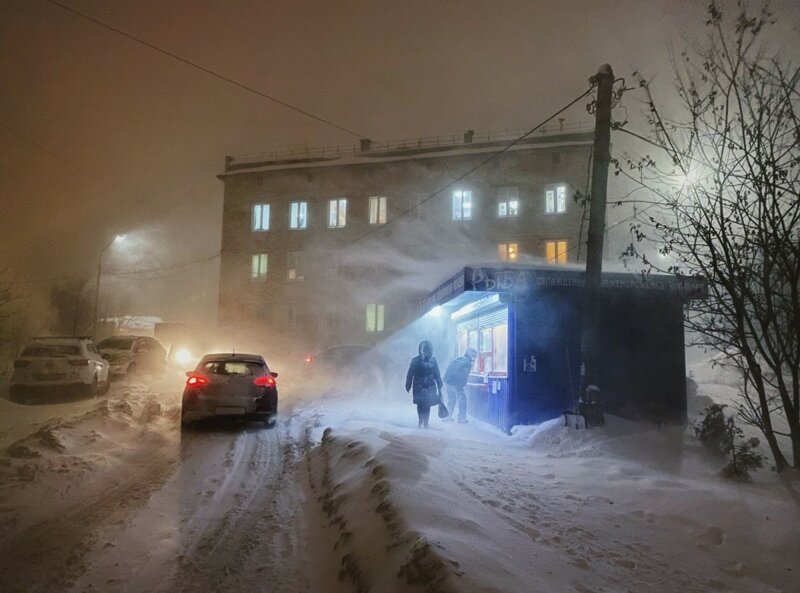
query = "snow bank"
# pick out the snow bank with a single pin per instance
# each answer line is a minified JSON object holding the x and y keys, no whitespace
{"x":352,"y":478}
{"x":67,"y":458}
{"x":627,"y":507}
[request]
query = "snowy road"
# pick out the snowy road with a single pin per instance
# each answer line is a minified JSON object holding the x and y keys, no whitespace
{"x":225,"y":520}
{"x":216,"y":508}
{"x":345,"y":495}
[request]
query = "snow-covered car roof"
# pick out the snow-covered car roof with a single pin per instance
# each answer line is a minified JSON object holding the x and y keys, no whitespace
{"x":62,"y":339}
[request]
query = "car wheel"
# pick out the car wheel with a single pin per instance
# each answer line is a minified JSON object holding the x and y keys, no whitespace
{"x":130,"y":372}
{"x":106,"y":386}
{"x":93,"y":388}
{"x":270,"y":421}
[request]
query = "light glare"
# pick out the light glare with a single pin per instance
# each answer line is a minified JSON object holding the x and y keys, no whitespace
{"x":183,"y":356}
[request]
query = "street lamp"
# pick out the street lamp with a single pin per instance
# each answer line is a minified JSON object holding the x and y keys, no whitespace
{"x":117,"y":239}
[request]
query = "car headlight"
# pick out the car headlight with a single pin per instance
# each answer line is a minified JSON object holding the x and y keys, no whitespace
{"x":183,"y":356}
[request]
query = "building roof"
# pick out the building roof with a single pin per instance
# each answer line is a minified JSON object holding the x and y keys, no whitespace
{"x":510,"y":278}
{"x":368,"y":152}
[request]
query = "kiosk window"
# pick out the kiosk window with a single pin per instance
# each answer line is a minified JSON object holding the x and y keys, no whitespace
{"x":488,"y":334}
{"x":500,"y":342}
{"x":486,"y":350}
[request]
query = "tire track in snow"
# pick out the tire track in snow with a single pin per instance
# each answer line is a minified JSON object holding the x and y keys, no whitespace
{"x":49,"y":556}
{"x":252,"y":527}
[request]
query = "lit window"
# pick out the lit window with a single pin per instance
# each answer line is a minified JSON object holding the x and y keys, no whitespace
{"x":258,"y":269}
{"x":377,"y":210}
{"x":507,"y":202}
{"x":337,"y":213}
{"x":298,"y":215}
{"x":462,"y":205}
{"x":375,"y":318}
{"x":261,"y":217}
{"x":555,"y":200}
{"x":508,"y":251}
{"x":556,"y":252}
{"x":294,"y":265}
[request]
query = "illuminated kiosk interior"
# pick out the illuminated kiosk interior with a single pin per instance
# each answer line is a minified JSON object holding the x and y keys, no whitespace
{"x":525,"y":323}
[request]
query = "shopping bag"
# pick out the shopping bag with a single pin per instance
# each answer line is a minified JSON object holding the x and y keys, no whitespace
{"x":443,"y":411}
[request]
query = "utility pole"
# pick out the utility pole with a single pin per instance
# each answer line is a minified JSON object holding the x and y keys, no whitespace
{"x":116,"y":239}
{"x":590,"y":334}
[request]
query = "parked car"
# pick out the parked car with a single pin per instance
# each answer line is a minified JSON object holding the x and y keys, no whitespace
{"x":333,"y":360}
{"x":53,"y":363}
{"x":238,"y":385}
{"x":344,"y":367}
{"x":133,"y":355}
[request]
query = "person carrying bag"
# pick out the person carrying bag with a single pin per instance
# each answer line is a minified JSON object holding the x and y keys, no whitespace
{"x":424,"y":378}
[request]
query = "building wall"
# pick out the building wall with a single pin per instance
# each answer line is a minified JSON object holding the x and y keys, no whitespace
{"x":394,"y":264}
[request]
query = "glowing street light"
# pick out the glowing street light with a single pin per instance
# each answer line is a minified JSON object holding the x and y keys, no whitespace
{"x":117,"y":239}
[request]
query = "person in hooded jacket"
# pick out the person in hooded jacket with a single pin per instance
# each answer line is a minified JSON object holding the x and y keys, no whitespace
{"x":455,"y":378}
{"x":424,"y":377}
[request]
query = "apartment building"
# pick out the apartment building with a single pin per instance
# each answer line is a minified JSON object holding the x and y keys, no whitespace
{"x":335,"y":245}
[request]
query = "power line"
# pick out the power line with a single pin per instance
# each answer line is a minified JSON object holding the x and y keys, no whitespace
{"x":203,"y":68}
{"x":489,"y":159}
{"x":163,"y":268}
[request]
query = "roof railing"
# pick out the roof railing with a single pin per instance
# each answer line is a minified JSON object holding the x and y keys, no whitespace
{"x":430,"y":142}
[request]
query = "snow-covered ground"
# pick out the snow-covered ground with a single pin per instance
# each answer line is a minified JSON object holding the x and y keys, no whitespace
{"x":346,"y":494}
{"x":630,"y":507}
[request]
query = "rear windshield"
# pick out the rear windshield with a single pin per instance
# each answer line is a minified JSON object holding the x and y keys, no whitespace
{"x":51,"y":350}
{"x":116,"y":344}
{"x":233,"y":368}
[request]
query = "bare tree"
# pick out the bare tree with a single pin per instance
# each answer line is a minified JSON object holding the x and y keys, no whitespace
{"x":729,"y":207}
{"x":13,"y":322}
{"x":71,"y":305}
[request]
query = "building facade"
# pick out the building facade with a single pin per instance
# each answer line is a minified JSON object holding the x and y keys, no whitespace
{"x":335,"y":246}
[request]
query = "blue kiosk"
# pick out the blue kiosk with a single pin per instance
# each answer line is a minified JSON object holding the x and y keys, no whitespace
{"x":525,"y":323}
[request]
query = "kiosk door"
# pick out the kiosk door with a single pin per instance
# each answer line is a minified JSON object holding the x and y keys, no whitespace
{"x":487,"y":389}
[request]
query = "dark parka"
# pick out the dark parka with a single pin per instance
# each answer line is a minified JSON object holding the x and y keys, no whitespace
{"x":457,"y":373}
{"x":424,"y":377}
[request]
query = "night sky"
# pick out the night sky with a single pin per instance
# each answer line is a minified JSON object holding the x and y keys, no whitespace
{"x":102,"y":135}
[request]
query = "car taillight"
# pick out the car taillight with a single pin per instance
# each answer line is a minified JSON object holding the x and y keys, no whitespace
{"x":21,"y":364}
{"x":265,"y":381}
{"x":309,"y":359}
{"x":197,"y":381}
{"x":78,"y":362}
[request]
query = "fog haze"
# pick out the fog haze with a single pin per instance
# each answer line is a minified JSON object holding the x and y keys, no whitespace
{"x":102,"y":135}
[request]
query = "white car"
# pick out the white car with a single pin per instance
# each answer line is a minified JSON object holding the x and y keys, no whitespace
{"x":51,"y":364}
{"x":133,"y":355}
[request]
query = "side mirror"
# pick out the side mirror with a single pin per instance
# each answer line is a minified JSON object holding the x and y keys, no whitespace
{"x":189,"y":373}
{"x":274,"y":374}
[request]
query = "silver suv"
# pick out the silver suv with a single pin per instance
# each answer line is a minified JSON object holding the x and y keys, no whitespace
{"x":133,"y":355}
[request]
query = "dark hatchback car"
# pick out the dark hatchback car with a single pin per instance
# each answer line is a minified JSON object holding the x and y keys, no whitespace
{"x":346,"y":367}
{"x":233,"y":385}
